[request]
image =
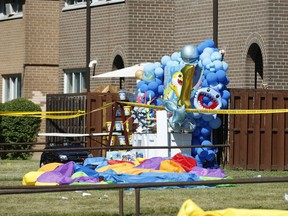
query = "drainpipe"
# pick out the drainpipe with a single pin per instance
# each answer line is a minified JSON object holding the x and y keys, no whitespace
{"x":88,"y":39}
{"x":215,"y":22}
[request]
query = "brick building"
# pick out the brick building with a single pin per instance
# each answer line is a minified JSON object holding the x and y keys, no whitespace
{"x":43,"y":42}
{"x":29,"y":55}
{"x":123,"y":33}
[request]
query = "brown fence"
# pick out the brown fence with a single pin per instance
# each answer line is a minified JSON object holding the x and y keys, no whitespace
{"x":96,"y":120}
{"x":66,"y":102}
{"x":259,"y":141}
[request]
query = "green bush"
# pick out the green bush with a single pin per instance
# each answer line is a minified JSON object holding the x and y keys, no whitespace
{"x":19,"y":129}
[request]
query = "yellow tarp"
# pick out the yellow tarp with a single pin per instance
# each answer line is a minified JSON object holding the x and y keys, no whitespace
{"x":31,"y":177}
{"x":189,"y":208}
{"x":49,"y":167}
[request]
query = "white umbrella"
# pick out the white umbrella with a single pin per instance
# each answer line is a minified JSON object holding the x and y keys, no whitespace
{"x":124,"y":72}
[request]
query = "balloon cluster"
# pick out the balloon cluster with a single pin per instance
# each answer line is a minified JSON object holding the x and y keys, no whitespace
{"x":212,"y":94}
{"x":205,"y":70}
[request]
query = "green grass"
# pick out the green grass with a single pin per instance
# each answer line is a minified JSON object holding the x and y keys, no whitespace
{"x":152,"y":202}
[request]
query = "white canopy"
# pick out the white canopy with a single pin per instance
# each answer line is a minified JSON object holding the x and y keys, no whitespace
{"x":124,"y":72}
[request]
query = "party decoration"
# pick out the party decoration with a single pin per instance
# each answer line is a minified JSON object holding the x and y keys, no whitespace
{"x":188,"y":73}
{"x":194,"y":77}
{"x":176,"y":83}
{"x":139,"y":74}
{"x":207,"y":98}
{"x":178,"y":120}
{"x":189,"y":53}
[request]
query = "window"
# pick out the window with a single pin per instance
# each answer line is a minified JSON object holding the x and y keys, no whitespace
{"x":74,"y":82}
{"x":11,"y":87}
{"x":11,"y":8}
{"x":76,"y":4}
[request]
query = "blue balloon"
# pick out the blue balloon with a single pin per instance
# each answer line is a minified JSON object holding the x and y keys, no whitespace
{"x":189,"y":53}
{"x":227,"y":80}
{"x":204,"y":44}
{"x":224,"y":103}
{"x":157,"y":64}
{"x":206,"y":100}
{"x":202,"y":153}
{"x":175,"y":56}
{"x":159,"y":72}
{"x":225,"y":66}
{"x":221,"y":75}
{"x":165,"y":59}
{"x":206,"y":62}
{"x":198,"y":160}
{"x":149,"y":67}
{"x":148,"y":76}
{"x":204,"y":83}
{"x":218,"y":65}
{"x":216,"y":56}
{"x":210,"y":155}
{"x":206,"y":131}
{"x":204,"y":55}
{"x":215,"y":123}
{"x":211,"y":78}
{"x":206,"y":143}
{"x":153,"y":86}
{"x":143,"y":88}
{"x":207,"y":117}
{"x":150,"y":95}
{"x":160,"y":89}
{"x":209,"y":51}
{"x":140,"y":83}
{"x":159,"y":81}
{"x":225,"y":95}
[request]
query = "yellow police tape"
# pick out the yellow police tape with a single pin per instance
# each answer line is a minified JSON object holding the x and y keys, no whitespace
{"x":78,"y":113}
{"x":53,"y":114}
{"x":236,"y":111}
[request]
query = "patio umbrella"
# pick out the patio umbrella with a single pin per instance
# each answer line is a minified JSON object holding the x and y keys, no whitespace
{"x":122,"y":73}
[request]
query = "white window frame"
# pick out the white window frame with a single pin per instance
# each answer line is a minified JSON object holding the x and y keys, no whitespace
{"x":11,"y":87}
{"x":76,"y":4}
{"x":15,"y":9}
{"x":74,"y":81}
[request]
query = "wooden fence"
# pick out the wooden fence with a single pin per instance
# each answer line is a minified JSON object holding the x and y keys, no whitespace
{"x":66,"y":102}
{"x":259,"y":141}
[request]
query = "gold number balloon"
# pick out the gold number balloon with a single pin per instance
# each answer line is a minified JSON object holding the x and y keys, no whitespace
{"x":188,"y":73}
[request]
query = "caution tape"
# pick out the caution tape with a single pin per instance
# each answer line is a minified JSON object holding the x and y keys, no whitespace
{"x":231,"y":112}
{"x":45,"y":115}
{"x":54,"y":114}
{"x":76,"y":114}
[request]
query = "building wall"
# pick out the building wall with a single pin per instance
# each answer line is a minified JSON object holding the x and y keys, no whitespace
{"x":30,"y":46}
{"x":12,"y":50}
{"x":143,"y":31}
{"x":42,"y":48}
{"x":276,"y":73}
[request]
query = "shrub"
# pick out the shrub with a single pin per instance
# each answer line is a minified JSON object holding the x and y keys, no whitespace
{"x":19,"y":129}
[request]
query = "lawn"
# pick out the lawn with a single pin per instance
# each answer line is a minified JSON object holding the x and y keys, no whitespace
{"x":153,"y":202}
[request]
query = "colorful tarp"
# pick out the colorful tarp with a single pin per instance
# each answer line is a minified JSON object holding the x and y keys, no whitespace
{"x":96,"y":170}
